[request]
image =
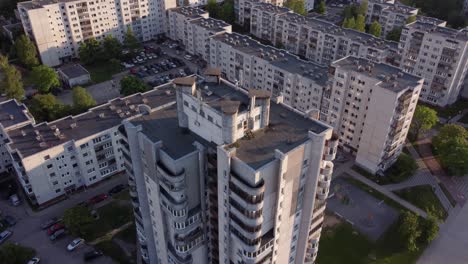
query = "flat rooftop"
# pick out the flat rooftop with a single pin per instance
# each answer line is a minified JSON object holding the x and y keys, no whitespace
{"x":270,"y":8}
{"x":391,"y":77}
{"x":32,"y":139}
{"x":189,"y":12}
{"x":34,"y":4}
{"x":12,"y":113}
{"x":73,"y":70}
{"x":446,"y":32}
{"x":279,"y":58}
{"x":211,"y":24}
{"x":287,"y":130}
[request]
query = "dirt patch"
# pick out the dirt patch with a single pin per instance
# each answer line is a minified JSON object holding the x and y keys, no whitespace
{"x":331,"y":220}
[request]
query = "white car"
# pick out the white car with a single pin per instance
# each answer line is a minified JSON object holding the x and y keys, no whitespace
{"x":34,"y":260}
{"x":75,"y":243}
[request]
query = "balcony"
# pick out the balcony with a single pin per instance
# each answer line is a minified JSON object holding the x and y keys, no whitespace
{"x":166,"y":173}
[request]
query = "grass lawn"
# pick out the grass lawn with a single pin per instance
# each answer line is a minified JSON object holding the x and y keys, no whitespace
{"x":343,"y":244}
{"x":424,"y":198}
{"x":111,"y":216}
{"x":128,"y":235}
{"x":101,"y":72}
{"x":114,"y":251}
{"x":123,"y":195}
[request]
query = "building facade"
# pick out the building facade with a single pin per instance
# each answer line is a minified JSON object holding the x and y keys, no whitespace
{"x":56,"y":158}
{"x":370,"y":106}
{"x":193,"y":28}
{"x":437,"y":54}
{"x":59,"y":27}
{"x":259,"y":174}
{"x":242,"y":9}
{"x":389,"y":14}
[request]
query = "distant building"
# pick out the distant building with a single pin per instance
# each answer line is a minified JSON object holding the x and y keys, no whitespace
{"x":74,"y":75}
{"x":226,"y":175}
{"x":59,"y":27}
{"x":389,"y":14}
{"x":437,"y":54}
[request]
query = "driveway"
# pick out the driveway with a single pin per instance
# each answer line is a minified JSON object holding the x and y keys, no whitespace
{"x":27,"y":231}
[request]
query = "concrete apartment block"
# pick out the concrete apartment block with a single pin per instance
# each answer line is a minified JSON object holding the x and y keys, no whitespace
{"x":54,"y":158}
{"x":59,"y":27}
{"x":437,"y":54}
{"x":228,"y":175}
{"x":389,"y":14}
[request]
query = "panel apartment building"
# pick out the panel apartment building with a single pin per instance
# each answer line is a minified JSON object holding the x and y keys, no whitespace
{"x":439,"y":55}
{"x":316,"y":39}
{"x":193,"y":28}
{"x":59,"y":27}
{"x":389,"y":14}
{"x":311,"y":88}
{"x":56,"y":158}
{"x":227,"y":175}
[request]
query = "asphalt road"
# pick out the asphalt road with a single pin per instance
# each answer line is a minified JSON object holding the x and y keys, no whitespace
{"x":28,"y":232}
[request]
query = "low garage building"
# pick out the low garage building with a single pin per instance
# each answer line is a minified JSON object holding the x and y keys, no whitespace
{"x":74,"y":75}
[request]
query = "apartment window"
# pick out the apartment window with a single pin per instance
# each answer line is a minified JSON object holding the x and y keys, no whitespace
{"x":55,"y":183}
{"x":49,"y":166}
{"x":57,"y":191}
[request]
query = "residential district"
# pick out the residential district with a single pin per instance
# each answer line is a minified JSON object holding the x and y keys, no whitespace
{"x":235,"y":131}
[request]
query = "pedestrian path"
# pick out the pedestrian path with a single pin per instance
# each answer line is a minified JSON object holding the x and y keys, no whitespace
{"x":387,"y":193}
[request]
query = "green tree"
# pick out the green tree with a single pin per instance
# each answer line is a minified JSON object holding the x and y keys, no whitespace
{"x":82,"y":100}
{"x":360,"y":23}
{"x":45,"y":107}
{"x":111,"y":48}
{"x":212,"y":8}
{"x":429,"y":229}
{"x":345,"y":22}
{"x":3,"y":61}
{"x":424,"y":118}
{"x":375,"y":29}
{"x":321,"y":9}
{"x":404,"y":167}
{"x":11,"y":84}
{"x":394,"y":34}
{"x":89,"y":51}
{"x":76,"y":219}
{"x":452,"y":148}
{"x":350,"y":11}
{"x":227,"y":11}
{"x":131,"y":84}
{"x":409,"y":230}
{"x":297,"y":6}
{"x":130,"y":41}
{"x":411,"y":19}
{"x":363,"y":8}
{"x":351,"y":23}
{"x":45,"y":78}
{"x":26,"y":51}
{"x":15,"y":254}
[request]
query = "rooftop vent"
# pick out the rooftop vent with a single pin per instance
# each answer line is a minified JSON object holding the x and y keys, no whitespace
{"x":43,"y":145}
{"x":12,"y":117}
{"x":73,"y":125}
{"x":102,"y":115}
{"x":23,"y":133}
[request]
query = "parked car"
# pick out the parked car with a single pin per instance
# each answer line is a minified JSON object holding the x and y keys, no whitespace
{"x":14,"y":200}
{"x":54,"y":228}
{"x":116,"y":189}
{"x":5,"y":235}
{"x":75,"y":243}
{"x":50,"y":222}
{"x":9,"y":220}
{"x":90,"y":255}
{"x":57,"y":234}
{"x":98,"y":198}
{"x":34,"y":260}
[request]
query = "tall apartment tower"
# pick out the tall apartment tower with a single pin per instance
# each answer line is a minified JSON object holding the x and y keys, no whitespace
{"x":58,"y":27}
{"x":370,"y":106}
{"x":226,"y":175}
{"x":437,"y":54}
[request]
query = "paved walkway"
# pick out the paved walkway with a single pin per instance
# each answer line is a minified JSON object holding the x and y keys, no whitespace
{"x":422,"y":177}
{"x":110,"y":234}
{"x":386,"y":192}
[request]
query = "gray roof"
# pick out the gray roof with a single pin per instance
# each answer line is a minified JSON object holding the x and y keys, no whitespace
{"x":287,"y":129}
{"x":446,"y":32}
{"x":96,"y":120}
{"x":12,"y":113}
{"x":211,"y":24}
{"x":73,"y":70}
{"x":279,"y":58}
{"x":392,"y":78}
{"x":270,"y":8}
{"x":189,"y":12}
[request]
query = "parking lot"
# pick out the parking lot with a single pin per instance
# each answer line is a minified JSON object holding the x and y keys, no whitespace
{"x":28,"y":232}
{"x":158,"y":64}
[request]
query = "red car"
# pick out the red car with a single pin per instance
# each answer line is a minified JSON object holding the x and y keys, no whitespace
{"x":98,"y":198}
{"x":54,"y":228}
